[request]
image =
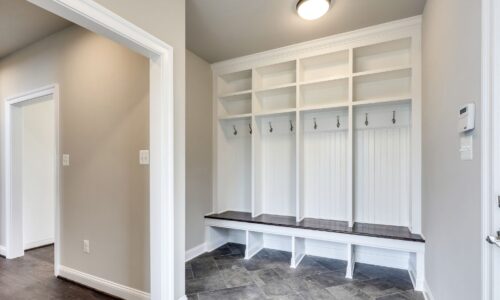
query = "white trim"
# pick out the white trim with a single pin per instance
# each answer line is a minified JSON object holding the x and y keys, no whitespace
{"x":102,"y":21}
{"x":3,"y":251}
{"x":103,"y":285}
{"x":14,"y":244}
{"x":427,"y":292}
{"x":489,"y":127}
{"x":195,"y":251}
{"x":37,"y":244}
{"x":183,"y":298}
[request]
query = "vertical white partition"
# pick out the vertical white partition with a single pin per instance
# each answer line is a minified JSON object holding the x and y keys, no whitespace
{"x":382,"y":164}
{"x":275,"y":165}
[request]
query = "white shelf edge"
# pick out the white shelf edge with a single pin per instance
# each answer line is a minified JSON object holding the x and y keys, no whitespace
{"x":399,"y":99}
{"x":229,"y":95}
{"x":276,"y":87}
{"x":232,"y":117}
{"x":322,"y":80}
{"x":275,"y":112}
{"x":325,"y":107}
{"x":381,"y":71}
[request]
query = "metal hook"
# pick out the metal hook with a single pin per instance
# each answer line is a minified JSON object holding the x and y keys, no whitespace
{"x":235,"y":132}
{"x":366,"y":119}
{"x":250,"y":127}
{"x":338,"y":121}
{"x":315,"y":124}
{"x":291,"y":125}
{"x":270,"y":127}
{"x":393,"y":117}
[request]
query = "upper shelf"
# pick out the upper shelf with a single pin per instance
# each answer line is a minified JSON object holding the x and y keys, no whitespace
{"x":234,"y":83}
{"x":326,"y":66}
{"x":383,"y":55}
{"x":275,"y":75}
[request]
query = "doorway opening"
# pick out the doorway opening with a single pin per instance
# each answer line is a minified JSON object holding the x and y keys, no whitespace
{"x":32,"y":171}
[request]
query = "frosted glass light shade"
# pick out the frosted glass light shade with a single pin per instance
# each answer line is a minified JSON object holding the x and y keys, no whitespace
{"x":312,"y":9}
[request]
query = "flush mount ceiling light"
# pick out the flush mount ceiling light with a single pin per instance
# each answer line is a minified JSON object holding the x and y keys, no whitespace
{"x":312,"y":9}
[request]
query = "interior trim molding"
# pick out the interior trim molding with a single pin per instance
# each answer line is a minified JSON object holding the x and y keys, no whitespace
{"x":427,"y":292}
{"x":98,"y":19}
{"x":3,"y":252}
{"x":326,"y":44}
{"x":195,"y":251}
{"x":103,"y":285}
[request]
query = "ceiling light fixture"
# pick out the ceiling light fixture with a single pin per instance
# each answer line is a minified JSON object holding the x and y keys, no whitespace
{"x":312,"y":9}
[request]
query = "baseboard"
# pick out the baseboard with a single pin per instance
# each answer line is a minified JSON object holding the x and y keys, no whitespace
{"x":183,"y":298}
{"x":427,"y":292}
{"x":195,"y":251}
{"x":102,"y":285}
{"x":3,"y":251}
{"x":37,"y":244}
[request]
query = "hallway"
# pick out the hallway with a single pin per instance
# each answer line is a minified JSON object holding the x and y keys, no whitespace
{"x":32,"y":277}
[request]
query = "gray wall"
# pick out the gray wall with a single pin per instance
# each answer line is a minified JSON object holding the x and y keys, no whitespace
{"x":451,"y":187}
{"x":166,"y":19}
{"x":104,"y":122}
{"x":198,"y":147}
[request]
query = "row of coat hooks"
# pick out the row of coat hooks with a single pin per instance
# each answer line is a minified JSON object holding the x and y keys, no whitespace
{"x":315,"y":124}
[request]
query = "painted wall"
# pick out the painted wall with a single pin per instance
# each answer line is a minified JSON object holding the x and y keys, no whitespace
{"x":451,"y":187}
{"x":166,"y":19}
{"x":198,"y":147}
{"x":104,"y":116}
{"x":38,"y":172}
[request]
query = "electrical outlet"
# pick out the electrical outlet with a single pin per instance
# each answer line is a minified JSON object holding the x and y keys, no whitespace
{"x":65,"y":160}
{"x":86,"y":246}
{"x":144,"y":157}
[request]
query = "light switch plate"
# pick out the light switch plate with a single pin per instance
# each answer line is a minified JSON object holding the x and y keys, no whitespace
{"x":86,"y":246}
{"x":144,"y":157}
{"x":466,"y":143}
{"x":65,"y":160}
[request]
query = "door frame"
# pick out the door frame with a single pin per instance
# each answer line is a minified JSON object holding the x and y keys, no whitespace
{"x":96,"y":18}
{"x":13,"y":213}
{"x":490,"y":133}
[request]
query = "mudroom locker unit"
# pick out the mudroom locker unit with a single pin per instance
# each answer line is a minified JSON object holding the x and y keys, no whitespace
{"x":317,"y":149}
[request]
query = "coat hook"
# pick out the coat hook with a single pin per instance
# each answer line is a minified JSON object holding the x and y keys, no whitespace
{"x":338,"y":121}
{"x":235,"y":132}
{"x":250,"y":127}
{"x":315,"y":124}
{"x":366,"y":119}
{"x":291,"y":125}
{"x":270,"y":127}
{"x":393,"y":117}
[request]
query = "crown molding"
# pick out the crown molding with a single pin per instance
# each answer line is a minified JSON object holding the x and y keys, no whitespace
{"x":319,"y":46}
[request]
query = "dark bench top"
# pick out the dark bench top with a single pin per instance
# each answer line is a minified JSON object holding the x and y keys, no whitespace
{"x":365,"y":229}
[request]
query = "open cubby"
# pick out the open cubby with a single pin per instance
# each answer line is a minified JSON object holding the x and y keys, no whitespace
{"x":391,"y":84}
{"x":323,"y":67}
{"x":324,"y":148}
{"x":275,"y":167}
{"x":382,"y":164}
{"x":234,"y":82}
{"x":234,"y":164}
{"x":275,"y":75}
{"x":275,"y":99}
{"x":324,"y":93}
{"x":391,"y":54}
{"x":235,"y":105}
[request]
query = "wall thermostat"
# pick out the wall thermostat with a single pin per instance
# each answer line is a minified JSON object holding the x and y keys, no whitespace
{"x":466,"y":115}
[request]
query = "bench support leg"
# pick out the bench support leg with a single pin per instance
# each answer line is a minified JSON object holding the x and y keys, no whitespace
{"x":298,"y":251}
{"x":350,"y":261}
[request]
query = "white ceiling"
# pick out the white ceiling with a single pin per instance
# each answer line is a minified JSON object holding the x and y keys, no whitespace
{"x":223,"y":29}
{"x":22,"y":23}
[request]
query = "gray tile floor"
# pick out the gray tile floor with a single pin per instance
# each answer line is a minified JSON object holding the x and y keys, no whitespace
{"x":224,"y":274}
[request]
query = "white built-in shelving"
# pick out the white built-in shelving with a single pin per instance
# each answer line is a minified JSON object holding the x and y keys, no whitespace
{"x":330,"y":132}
